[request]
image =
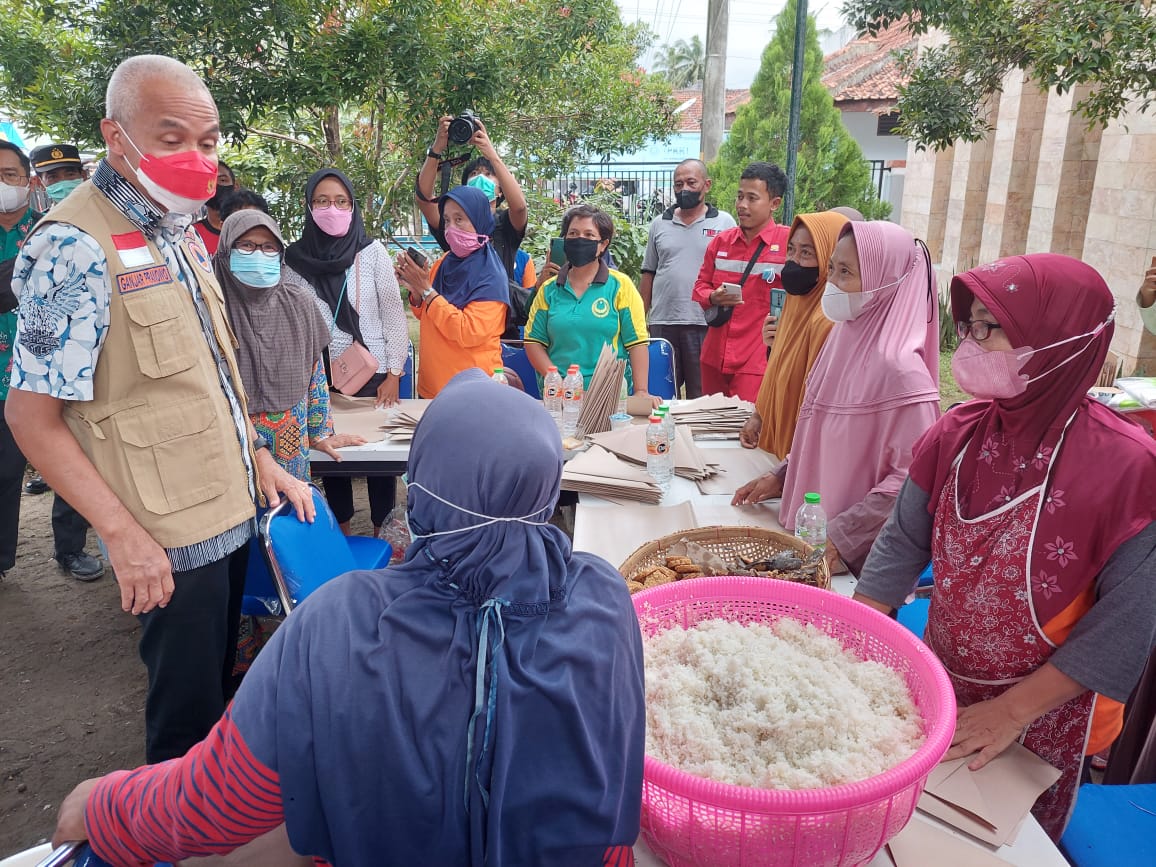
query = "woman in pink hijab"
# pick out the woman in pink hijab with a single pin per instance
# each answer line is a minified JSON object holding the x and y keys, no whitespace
{"x":1035,"y":505}
{"x":873,"y":391}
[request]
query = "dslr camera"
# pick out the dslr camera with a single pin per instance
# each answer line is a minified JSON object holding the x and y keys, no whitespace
{"x":463,"y":127}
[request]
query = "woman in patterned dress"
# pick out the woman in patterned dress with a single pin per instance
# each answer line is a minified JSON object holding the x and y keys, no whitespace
{"x":281,"y":335}
{"x":1035,"y":505}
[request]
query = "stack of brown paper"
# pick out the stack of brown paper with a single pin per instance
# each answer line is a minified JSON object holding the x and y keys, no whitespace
{"x":713,"y":416}
{"x":734,"y":468}
{"x":357,"y":416}
{"x":991,"y":803}
{"x":401,"y":420}
{"x":600,"y":473}
{"x":601,"y":398}
{"x":921,"y":843}
{"x":630,"y":445}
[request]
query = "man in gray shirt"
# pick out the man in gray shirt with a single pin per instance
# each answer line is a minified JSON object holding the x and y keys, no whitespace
{"x":674,"y":253}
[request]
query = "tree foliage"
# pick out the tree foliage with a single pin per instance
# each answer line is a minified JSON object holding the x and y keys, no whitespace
{"x":1106,"y":45}
{"x":831,"y":170}
{"x":306,"y":83}
{"x":682,"y":63}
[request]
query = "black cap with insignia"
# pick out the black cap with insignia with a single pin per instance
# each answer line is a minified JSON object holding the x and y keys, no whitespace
{"x":51,"y":156}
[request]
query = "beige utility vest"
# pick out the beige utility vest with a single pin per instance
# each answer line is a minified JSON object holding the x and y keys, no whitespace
{"x":159,"y":429}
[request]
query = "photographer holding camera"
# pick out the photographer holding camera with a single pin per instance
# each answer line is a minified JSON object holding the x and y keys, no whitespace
{"x":487,"y":173}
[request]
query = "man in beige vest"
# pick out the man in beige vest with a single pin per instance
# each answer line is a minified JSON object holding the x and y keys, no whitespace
{"x":125,"y":391}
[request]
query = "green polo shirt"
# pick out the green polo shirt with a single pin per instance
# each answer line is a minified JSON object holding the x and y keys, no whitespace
{"x":11,"y":240}
{"x":574,"y":329}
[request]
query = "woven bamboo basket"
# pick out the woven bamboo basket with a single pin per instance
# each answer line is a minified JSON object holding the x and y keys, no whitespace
{"x":730,"y":543}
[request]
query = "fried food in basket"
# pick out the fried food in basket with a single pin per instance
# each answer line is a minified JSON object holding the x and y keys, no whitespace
{"x":785,"y":565}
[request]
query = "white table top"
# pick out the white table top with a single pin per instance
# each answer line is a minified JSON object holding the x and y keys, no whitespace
{"x":1032,"y":848}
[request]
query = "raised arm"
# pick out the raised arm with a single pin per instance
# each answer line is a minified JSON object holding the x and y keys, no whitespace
{"x":427,"y":177}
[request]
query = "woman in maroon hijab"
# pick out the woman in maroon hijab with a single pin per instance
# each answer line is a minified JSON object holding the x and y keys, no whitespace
{"x":1035,"y":505}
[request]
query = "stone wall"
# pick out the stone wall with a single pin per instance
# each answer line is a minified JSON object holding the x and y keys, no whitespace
{"x":1042,"y":181}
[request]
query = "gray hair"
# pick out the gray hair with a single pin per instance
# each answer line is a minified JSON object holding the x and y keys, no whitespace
{"x":128,"y":81}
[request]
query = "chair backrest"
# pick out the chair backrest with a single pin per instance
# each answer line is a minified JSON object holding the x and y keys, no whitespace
{"x":406,"y":389}
{"x":514,"y":357}
{"x":661,"y":381}
{"x":303,"y":556}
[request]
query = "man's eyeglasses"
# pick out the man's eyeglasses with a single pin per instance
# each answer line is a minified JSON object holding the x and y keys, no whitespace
{"x":14,"y":178}
{"x":248,"y":247}
{"x":342,"y":204}
{"x":978,"y":329}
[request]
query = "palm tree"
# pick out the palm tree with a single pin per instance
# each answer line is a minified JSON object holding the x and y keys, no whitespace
{"x":682,"y":63}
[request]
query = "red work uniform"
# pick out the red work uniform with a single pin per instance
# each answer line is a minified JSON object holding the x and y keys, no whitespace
{"x":734,"y":355}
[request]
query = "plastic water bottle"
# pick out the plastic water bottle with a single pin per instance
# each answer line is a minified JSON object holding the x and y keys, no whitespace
{"x":623,"y":393}
{"x":667,"y":420}
{"x":552,"y":395}
{"x":571,"y":400}
{"x":500,"y":376}
{"x":659,"y":463}
{"x":811,"y":522}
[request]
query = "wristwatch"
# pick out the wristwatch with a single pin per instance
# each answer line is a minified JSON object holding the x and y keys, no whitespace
{"x":425,"y":296}
{"x":431,"y":154}
{"x":259,"y":442}
{"x":394,"y":371}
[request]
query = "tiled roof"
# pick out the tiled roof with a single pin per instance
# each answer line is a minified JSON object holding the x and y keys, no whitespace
{"x":867,"y":68}
{"x":690,"y":118}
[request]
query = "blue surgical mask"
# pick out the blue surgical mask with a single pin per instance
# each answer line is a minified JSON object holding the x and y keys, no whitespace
{"x":59,"y":191}
{"x":258,"y":269}
{"x":486,"y":185}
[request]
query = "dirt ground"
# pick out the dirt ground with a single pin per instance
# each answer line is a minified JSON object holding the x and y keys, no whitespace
{"x":72,"y":687}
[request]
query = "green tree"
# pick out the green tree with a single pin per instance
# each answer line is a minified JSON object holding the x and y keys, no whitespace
{"x":306,"y":83}
{"x":1106,"y":45}
{"x":682,"y":63}
{"x":831,"y":170}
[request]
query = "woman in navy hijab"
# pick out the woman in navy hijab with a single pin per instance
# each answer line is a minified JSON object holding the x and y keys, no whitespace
{"x":481,"y":703}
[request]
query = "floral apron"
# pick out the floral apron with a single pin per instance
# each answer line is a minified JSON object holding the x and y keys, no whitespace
{"x":983,"y":627}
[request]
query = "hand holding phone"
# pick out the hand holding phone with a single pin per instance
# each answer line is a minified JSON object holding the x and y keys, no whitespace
{"x":778,"y":299}
{"x":419,"y":258}
{"x":558,"y":251}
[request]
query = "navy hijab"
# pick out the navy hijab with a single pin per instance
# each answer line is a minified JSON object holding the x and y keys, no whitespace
{"x":480,"y":276}
{"x":482,"y":703}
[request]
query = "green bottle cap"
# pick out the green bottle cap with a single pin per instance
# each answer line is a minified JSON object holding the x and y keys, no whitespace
{"x":811,"y":498}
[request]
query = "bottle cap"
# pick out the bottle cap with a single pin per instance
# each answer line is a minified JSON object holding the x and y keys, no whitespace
{"x":662,"y":410}
{"x":551,"y":368}
{"x":811,"y":498}
{"x":654,"y":419}
{"x":499,"y":370}
{"x":572,"y":369}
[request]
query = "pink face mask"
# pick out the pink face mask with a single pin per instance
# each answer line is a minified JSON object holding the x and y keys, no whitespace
{"x":995,"y":374}
{"x":463,"y":243}
{"x":332,"y":220}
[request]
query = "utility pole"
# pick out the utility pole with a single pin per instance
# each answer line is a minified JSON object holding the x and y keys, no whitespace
{"x":714,"y":85}
{"x":796,"y":104}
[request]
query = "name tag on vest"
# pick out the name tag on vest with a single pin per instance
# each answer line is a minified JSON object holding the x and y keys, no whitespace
{"x":143,"y":278}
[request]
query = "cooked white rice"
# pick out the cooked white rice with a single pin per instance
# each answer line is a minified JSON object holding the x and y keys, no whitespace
{"x":780,"y":706}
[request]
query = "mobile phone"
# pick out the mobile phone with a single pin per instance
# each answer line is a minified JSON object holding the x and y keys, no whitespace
{"x":558,"y":251}
{"x":732,"y":289}
{"x":778,"y":299}
{"x":419,"y":258}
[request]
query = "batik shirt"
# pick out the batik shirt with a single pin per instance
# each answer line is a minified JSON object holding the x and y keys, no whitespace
{"x":11,"y":240}
{"x":60,"y":279}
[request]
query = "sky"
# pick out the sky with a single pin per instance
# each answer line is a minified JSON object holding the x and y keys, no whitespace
{"x":749,"y":32}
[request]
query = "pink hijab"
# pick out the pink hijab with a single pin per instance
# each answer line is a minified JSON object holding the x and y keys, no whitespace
{"x":1099,"y":468}
{"x":874,"y":389}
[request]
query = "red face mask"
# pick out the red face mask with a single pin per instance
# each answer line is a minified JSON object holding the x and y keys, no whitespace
{"x":181,"y":182}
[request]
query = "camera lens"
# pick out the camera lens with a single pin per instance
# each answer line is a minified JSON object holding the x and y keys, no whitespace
{"x":462,"y":129}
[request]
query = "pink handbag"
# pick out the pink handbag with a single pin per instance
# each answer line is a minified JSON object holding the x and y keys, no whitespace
{"x":353,"y":368}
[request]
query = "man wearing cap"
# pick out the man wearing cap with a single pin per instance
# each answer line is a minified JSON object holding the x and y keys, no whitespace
{"x":126,"y":391}
{"x":58,"y":169}
{"x":69,"y":529}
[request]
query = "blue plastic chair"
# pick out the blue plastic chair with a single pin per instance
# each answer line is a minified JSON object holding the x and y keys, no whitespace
{"x":913,"y":615}
{"x":303,"y":556}
{"x":1112,"y":826}
{"x":661,"y":380}
{"x":514,"y":357}
{"x":406,"y":389}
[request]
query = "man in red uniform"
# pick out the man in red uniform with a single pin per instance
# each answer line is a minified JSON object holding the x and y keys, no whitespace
{"x":733,"y":354}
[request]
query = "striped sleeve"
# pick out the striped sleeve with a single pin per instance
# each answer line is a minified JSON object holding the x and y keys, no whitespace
{"x":618,"y":856}
{"x":215,"y":798}
{"x":631,"y":313}
{"x":538,"y":319}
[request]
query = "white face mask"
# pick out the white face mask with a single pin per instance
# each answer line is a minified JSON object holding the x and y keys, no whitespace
{"x":489,"y":519}
{"x":840,"y":306}
{"x":13,"y":198}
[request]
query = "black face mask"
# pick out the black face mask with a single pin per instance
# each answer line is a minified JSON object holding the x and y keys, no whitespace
{"x":223,"y":192}
{"x":798,"y":280}
{"x":580,"y":251}
{"x":688,"y":199}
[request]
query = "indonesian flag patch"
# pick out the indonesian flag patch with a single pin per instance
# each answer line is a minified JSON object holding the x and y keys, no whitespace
{"x":133,"y":249}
